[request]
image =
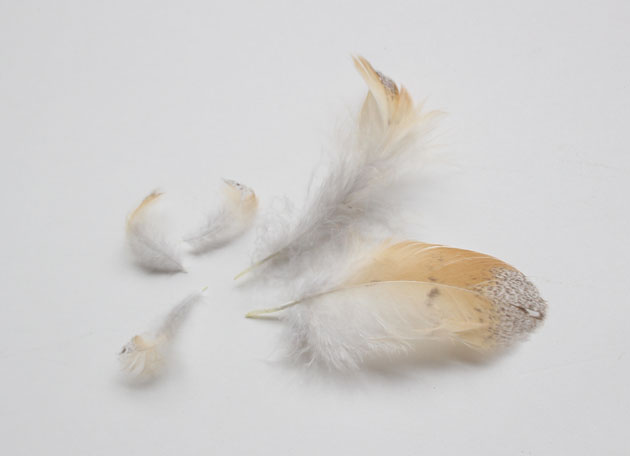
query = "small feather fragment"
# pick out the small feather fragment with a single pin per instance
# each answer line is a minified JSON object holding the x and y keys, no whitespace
{"x":146,"y":355}
{"x":228,"y":221}
{"x":151,"y":237}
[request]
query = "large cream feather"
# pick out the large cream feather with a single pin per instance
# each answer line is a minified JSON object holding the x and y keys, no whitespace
{"x":408,"y":292}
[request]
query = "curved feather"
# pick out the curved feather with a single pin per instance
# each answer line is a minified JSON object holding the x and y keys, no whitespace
{"x":231,"y":219}
{"x":412,"y":291}
{"x":146,"y":354}
{"x":355,"y":196}
{"x":388,"y":111}
{"x":151,"y":241}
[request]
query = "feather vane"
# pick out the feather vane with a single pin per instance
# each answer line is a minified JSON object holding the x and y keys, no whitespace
{"x":408,"y":292}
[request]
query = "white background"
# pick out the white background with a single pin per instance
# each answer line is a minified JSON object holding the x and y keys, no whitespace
{"x":100,"y":102}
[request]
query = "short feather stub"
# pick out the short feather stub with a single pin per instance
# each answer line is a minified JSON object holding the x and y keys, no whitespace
{"x":409,"y":292}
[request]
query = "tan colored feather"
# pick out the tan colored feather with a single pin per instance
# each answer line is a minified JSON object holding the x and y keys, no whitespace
{"x":490,"y":302}
{"x":423,"y":262}
{"x":414,"y":290}
{"x":392,"y":104}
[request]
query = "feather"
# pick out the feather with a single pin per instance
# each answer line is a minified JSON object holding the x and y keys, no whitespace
{"x":231,"y":219}
{"x":355,"y":196}
{"x":155,"y":229}
{"x":408,"y":292}
{"x":151,"y":238}
{"x":145,"y":355}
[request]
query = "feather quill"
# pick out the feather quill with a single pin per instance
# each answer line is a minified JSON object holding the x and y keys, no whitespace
{"x":409,"y":292}
{"x":355,"y":196}
{"x":146,"y":354}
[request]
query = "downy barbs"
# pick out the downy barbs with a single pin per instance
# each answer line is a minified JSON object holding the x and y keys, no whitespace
{"x":159,"y":234}
{"x":357,"y":195}
{"x":226,"y":222}
{"x":152,"y":235}
{"x":146,"y":354}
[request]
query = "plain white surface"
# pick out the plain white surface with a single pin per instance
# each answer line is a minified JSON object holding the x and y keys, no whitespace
{"x":100,"y":102}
